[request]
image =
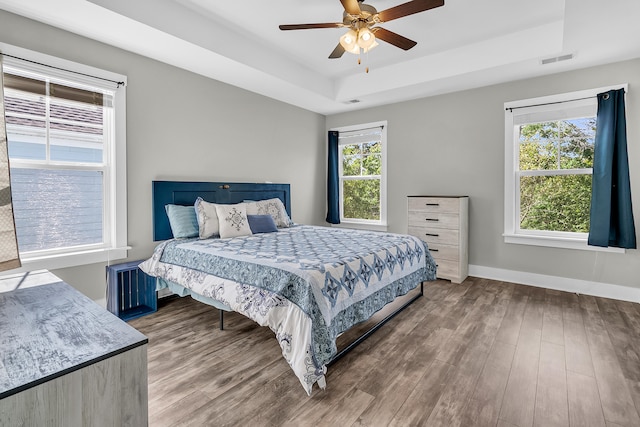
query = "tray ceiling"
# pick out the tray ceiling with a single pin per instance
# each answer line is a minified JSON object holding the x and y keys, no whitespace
{"x":462,"y":45}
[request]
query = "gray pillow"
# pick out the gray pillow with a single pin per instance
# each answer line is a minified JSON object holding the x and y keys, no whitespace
{"x":273,"y":207}
{"x":207,"y":219}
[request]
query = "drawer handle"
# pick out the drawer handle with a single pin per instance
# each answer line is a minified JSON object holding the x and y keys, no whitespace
{"x":432,"y":204}
{"x":431,"y":234}
{"x":431,"y":219}
{"x":434,"y":250}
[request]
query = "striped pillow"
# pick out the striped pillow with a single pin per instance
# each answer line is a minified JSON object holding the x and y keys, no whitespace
{"x":183,"y":221}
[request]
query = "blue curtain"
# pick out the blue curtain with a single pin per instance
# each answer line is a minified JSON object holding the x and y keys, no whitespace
{"x":333,"y":190}
{"x":611,"y":222}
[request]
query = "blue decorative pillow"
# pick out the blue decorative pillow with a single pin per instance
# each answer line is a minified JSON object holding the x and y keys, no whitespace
{"x":262,"y":224}
{"x":183,"y":220}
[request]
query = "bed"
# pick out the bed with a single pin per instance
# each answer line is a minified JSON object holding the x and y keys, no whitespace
{"x":307,"y":283}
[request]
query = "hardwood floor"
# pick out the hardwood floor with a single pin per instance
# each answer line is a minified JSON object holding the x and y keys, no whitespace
{"x":482,"y":353}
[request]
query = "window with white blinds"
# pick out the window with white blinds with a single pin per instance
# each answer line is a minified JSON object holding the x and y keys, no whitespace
{"x":63,"y":131}
{"x":362,"y":173}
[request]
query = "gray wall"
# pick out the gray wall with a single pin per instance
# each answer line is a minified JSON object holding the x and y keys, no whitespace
{"x":182,"y":126}
{"x":454,"y":144}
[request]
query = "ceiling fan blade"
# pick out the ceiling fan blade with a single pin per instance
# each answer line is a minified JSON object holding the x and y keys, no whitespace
{"x":393,"y":38}
{"x":408,"y":8}
{"x":351,"y":6}
{"x":337,"y":52}
{"x":310,"y":26}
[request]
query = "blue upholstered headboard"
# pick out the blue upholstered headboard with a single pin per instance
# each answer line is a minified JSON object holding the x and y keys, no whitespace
{"x":186,"y":193}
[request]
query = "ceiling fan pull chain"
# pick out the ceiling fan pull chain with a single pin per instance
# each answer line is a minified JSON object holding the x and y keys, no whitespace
{"x":367,"y":69}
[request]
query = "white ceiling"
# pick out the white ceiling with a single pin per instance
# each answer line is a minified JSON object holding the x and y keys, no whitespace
{"x":464,"y":44}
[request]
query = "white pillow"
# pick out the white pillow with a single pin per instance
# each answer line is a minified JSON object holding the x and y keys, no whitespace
{"x":207,"y":219}
{"x":233,"y":220}
{"x":273,"y":207}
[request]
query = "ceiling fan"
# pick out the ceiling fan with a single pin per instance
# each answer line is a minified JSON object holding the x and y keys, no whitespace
{"x":361,"y":19}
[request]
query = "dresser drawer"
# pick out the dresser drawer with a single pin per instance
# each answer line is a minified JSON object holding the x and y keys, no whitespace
{"x":448,"y":252}
{"x":434,"y":204}
{"x":433,"y":220}
{"x":435,"y":236}
{"x":447,"y":269}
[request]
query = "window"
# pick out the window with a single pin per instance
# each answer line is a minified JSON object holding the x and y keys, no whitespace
{"x":548,"y":166}
{"x":65,"y":134}
{"x":362,"y":172}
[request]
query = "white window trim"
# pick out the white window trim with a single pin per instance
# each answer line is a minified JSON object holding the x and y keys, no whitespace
{"x":115,"y":214}
{"x":512,"y":234}
{"x":380,"y":225}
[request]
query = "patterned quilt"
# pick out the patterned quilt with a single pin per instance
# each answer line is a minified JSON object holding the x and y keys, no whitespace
{"x":307,"y":283}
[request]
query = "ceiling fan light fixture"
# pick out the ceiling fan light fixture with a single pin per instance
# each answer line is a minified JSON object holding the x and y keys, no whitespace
{"x":374,"y":44}
{"x":366,"y":39}
{"x":349,"y":42}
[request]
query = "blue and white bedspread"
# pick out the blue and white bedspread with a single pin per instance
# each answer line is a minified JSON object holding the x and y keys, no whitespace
{"x":307,"y":283}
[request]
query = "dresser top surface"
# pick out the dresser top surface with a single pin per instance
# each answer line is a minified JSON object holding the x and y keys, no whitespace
{"x":50,"y":330}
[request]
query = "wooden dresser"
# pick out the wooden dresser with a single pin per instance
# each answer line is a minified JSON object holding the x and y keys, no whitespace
{"x":67,"y":362}
{"x":443,"y":222}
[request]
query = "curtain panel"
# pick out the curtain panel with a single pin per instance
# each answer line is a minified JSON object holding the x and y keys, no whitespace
{"x":9,"y":257}
{"x":611,"y":217}
{"x":333,"y":180}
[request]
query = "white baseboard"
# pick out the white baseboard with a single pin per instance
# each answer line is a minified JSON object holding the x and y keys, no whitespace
{"x":102,"y":302}
{"x":596,"y":289}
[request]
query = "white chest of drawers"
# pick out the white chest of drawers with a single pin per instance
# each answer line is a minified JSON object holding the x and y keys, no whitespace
{"x":443,"y":222}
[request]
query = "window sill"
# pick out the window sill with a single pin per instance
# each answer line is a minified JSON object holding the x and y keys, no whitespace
{"x":556,"y":242}
{"x":70,"y":259}
{"x":361,"y":226}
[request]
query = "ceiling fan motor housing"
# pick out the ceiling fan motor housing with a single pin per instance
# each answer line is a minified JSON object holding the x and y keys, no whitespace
{"x":366,"y":18}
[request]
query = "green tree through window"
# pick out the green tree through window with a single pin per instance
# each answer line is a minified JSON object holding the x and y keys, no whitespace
{"x":555,"y":161}
{"x":361,"y":174}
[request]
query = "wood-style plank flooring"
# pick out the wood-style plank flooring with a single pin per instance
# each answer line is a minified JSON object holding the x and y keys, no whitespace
{"x":482,"y":353}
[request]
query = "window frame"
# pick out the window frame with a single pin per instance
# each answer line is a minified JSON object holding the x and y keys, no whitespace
{"x":380,"y":225}
{"x":552,"y":104}
{"x":114,"y":227}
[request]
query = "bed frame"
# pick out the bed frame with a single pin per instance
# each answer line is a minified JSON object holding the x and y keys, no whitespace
{"x":185,"y":193}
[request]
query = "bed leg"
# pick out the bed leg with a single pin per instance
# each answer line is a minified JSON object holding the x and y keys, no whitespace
{"x":221,"y":319}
